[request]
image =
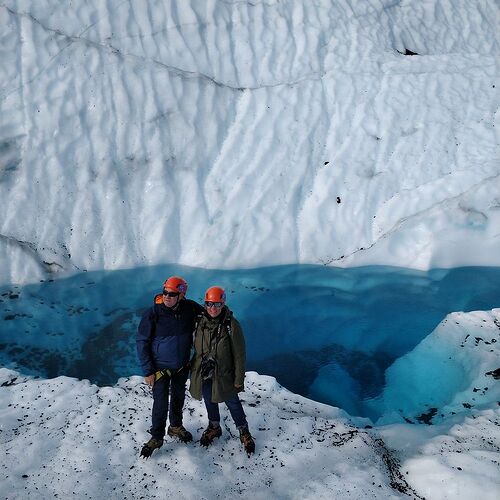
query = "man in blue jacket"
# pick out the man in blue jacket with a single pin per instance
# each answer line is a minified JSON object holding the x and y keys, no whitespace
{"x":164,"y":341}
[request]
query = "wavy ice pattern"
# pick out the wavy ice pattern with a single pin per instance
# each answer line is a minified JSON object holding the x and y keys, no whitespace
{"x":231,"y":134}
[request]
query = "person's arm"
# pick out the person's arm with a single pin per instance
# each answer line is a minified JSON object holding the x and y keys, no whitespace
{"x":239,"y":354}
{"x":143,"y":344}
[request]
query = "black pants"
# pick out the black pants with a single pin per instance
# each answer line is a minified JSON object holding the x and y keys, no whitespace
{"x":176,"y":383}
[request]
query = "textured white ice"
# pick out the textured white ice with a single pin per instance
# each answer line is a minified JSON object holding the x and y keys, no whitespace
{"x":231,"y":134}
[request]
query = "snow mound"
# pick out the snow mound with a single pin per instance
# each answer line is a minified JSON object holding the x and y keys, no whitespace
{"x":453,"y":369}
{"x":65,"y":435}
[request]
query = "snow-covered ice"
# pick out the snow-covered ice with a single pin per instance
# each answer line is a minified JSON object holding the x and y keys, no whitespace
{"x":448,"y":368}
{"x":65,"y":436}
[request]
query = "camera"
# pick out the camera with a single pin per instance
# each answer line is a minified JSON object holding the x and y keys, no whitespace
{"x":207,"y":368}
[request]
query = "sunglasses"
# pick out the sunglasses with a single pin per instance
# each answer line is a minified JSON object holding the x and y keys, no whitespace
{"x":214,"y":304}
{"x":170,"y":294}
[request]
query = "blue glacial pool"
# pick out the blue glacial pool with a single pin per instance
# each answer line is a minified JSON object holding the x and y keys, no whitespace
{"x":297,"y":321}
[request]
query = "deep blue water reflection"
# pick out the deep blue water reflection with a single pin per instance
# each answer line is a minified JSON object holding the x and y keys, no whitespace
{"x":323,"y":332}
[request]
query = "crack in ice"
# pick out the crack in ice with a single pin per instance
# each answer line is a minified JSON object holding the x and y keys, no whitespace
{"x":180,"y":72}
{"x":403,"y":220}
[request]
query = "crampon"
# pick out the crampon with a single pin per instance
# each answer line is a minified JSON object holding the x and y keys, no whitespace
{"x":150,"y":446}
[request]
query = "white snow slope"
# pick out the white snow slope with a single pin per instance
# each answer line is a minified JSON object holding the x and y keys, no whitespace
{"x":279,"y":131}
{"x":66,"y":438}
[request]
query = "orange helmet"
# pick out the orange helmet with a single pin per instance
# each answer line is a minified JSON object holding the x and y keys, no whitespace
{"x":176,"y":283}
{"x":215,"y":294}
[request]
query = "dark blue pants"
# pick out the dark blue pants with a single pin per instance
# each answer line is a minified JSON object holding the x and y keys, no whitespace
{"x":161,"y":409}
{"x":233,"y":404}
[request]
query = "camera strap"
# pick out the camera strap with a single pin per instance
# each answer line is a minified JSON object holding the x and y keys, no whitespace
{"x":215,"y":337}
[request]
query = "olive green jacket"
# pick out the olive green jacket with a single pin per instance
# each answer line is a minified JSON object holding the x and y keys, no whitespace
{"x":228,"y":350}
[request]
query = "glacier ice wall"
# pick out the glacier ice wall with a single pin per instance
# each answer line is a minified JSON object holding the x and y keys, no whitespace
{"x":231,"y":134}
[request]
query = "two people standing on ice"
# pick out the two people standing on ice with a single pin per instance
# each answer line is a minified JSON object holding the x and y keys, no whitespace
{"x":164,"y":340}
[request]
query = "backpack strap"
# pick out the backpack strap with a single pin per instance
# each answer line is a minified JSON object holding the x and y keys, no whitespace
{"x":197,"y":321}
{"x":227,"y":326}
{"x":158,"y":299}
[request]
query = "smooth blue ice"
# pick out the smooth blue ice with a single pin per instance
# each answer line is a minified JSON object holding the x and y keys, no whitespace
{"x":323,"y":332}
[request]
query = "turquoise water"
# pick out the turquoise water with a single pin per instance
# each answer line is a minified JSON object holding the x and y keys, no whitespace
{"x":298,"y":320}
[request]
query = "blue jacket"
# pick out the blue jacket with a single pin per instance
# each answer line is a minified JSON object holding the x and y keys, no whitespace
{"x":165,"y":336}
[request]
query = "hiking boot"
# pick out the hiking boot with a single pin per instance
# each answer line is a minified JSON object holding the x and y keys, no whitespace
{"x":180,"y":433}
{"x":151,"y":446}
{"x":209,"y":434}
{"x":247,"y":440}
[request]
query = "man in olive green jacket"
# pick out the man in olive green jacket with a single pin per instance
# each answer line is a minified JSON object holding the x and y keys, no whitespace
{"x":218,"y":369}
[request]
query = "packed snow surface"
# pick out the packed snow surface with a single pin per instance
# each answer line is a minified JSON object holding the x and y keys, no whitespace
{"x":230,"y":134}
{"x":64,"y":436}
